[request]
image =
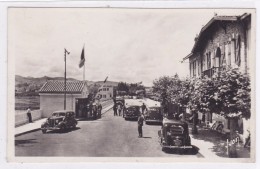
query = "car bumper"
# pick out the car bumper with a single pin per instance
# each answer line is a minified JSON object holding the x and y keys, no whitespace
{"x":131,"y":117}
{"x":177,"y":147}
{"x":151,"y":120}
{"x":50,"y":128}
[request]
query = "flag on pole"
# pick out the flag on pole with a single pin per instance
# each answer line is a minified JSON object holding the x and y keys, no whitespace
{"x":82,"y":59}
{"x":105,"y":79}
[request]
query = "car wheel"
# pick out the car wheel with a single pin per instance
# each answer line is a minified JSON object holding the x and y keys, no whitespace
{"x":63,"y":128}
{"x":44,"y":131}
{"x":74,"y":126}
{"x":164,"y":149}
{"x":189,"y":142}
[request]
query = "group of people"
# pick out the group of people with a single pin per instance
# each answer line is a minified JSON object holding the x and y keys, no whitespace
{"x":94,"y":110}
{"x":118,"y":109}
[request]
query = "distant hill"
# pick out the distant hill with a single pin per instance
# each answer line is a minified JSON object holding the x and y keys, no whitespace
{"x":110,"y":83}
{"x":31,"y":85}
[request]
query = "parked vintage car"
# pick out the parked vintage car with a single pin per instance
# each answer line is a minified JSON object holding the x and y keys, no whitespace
{"x":132,"y":109}
{"x":60,"y":120}
{"x":153,"y":112}
{"x":174,"y":135}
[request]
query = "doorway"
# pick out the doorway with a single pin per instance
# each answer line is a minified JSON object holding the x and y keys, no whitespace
{"x":81,"y":107}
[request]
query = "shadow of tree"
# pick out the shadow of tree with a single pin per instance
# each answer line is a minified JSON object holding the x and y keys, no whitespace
{"x":218,"y":139}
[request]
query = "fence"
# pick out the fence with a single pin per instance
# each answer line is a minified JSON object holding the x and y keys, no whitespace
{"x":21,"y":118}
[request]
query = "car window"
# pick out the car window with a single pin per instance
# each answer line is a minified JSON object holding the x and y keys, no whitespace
{"x":176,"y":129}
{"x":58,"y":114}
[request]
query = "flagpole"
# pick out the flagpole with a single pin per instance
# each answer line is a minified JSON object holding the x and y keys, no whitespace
{"x":84,"y":66}
{"x":84,"y":74}
{"x":65,"y":74}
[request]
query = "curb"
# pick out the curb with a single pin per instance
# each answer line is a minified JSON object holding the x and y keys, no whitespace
{"x":26,"y":132}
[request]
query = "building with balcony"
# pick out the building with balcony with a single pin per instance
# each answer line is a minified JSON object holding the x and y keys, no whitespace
{"x":223,"y":41}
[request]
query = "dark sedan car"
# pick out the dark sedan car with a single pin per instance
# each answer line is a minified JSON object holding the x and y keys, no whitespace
{"x":174,"y":135}
{"x":60,"y":120}
{"x":132,"y":109}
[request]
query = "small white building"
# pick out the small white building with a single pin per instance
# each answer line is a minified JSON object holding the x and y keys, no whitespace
{"x":52,"y":97}
{"x":105,"y":92}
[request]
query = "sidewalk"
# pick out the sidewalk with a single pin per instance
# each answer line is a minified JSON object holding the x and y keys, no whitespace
{"x":29,"y":127}
{"x":36,"y":125}
{"x":212,"y":144}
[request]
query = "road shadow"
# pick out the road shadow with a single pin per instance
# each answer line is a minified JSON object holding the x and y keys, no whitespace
{"x":131,"y":120}
{"x":26,"y":141}
{"x":145,"y":137}
{"x":62,"y":132}
{"x":189,"y":151}
{"x":153,"y":123}
{"x":89,"y":119}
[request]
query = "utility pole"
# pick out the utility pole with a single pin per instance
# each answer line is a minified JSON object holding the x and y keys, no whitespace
{"x":65,"y":85}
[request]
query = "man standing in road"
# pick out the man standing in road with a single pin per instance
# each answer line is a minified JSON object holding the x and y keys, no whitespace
{"x":140,"y":122}
{"x":115,"y":110}
{"x":29,"y":115}
{"x":99,"y":110}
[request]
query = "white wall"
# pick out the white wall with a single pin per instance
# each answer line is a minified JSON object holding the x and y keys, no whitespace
{"x":53,"y":102}
{"x":21,"y":118}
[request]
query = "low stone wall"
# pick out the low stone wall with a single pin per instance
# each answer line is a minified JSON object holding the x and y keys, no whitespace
{"x":21,"y":118}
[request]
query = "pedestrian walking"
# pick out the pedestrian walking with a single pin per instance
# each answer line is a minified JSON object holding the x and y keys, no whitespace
{"x":99,"y":110}
{"x":94,"y":111}
{"x":140,"y":122}
{"x":143,"y":108}
{"x":29,"y":115}
{"x":115,"y":110}
{"x":119,"y":109}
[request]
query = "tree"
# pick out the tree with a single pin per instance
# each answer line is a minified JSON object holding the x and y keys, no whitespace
{"x":234,"y":99}
{"x":122,"y":86}
{"x":172,"y":90}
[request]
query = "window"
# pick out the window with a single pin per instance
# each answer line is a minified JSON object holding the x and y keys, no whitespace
{"x":204,"y":62}
{"x":107,"y":89}
{"x":110,"y":95}
{"x":104,"y":96}
{"x":229,"y":53}
{"x":104,"y":89}
{"x":237,"y":48}
{"x":209,"y":60}
{"x":194,"y":68}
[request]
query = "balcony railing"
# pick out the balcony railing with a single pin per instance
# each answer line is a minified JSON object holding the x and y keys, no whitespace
{"x":210,"y":72}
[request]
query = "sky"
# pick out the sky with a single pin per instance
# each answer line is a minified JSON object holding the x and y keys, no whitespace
{"x":129,"y":45}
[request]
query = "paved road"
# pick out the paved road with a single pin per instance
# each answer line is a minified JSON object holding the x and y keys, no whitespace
{"x":109,"y":136}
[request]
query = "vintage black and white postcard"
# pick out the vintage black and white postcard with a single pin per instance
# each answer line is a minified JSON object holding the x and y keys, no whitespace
{"x":131,"y":84}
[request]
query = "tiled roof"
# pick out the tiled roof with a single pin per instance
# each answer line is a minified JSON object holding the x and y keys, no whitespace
{"x":73,"y":87}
